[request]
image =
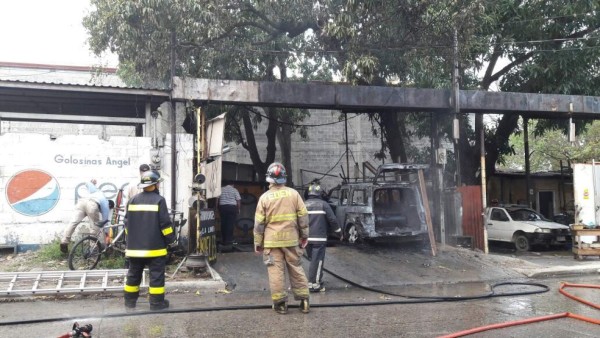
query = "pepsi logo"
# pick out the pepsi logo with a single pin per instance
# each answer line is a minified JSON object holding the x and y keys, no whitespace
{"x":32,"y":192}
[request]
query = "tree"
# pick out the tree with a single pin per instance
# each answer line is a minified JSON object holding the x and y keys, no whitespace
{"x":549,"y":148}
{"x":214,"y":39}
{"x":510,"y":45}
{"x":515,"y":47}
{"x":540,"y":43}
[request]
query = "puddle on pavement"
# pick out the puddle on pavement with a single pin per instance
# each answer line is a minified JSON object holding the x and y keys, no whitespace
{"x":467,"y":289}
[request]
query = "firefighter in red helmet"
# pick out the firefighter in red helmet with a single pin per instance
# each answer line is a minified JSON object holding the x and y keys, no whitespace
{"x":281,"y":234}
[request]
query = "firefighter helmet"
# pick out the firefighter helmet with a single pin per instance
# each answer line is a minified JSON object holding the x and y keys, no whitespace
{"x":315,"y":190}
{"x":276,"y":173}
{"x":149,"y":178}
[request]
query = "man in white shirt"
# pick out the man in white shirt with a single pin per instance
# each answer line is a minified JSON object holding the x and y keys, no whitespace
{"x":132,"y":187}
{"x":229,"y":207}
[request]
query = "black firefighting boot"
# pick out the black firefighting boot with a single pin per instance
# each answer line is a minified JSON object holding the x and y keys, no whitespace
{"x":158,"y":302}
{"x":131,"y":299}
{"x":304,"y":306}
{"x":280,"y":308}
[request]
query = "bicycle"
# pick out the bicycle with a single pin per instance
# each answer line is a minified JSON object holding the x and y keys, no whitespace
{"x":88,"y":251}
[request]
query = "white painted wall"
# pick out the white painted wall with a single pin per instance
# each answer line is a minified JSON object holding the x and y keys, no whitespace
{"x":586,"y":187}
{"x":72,"y":160}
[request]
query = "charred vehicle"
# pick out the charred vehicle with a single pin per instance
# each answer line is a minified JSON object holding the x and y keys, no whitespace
{"x":389,"y":205}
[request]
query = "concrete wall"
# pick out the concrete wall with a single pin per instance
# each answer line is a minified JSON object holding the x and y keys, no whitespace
{"x":513,"y":190}
{"x":41,"y":178}
{"x":322,"y":151}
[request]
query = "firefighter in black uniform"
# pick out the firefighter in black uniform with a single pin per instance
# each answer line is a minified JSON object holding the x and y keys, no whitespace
{"x":149,"y":233}
{"x":322,"y":221}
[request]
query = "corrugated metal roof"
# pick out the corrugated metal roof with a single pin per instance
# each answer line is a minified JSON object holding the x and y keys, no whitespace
{"x":66,"y":75}
{"x":78,"y":83}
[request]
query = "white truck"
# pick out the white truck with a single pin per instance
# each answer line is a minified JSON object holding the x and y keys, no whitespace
{"x":524,"y":227}
{"x":586,"y":194}
{"x":586,"y":191}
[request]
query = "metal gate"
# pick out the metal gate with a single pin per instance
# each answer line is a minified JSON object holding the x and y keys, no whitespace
{"x":472,"y":219}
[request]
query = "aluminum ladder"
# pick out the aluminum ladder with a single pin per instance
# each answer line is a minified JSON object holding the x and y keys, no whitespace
{"x":64,"y":282}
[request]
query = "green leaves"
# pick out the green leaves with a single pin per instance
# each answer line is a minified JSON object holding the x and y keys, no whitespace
{"x":510,"y":45}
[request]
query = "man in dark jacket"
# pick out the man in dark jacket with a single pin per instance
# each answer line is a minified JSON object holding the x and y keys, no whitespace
{"x":149,"y":233}
{"x":322,"y":221}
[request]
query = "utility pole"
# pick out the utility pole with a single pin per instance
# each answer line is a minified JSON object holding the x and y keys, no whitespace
{"x":486,"y":248}
{"x":173,"y":125}
{"x":456,"y":106}
{"x":347,"y":149}
{"x":527,"y":162}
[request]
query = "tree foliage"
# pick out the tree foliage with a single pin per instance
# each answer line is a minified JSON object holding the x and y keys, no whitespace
{"x":552,"y":147}
{"x":534,"y":46}
{"x":213,"y":39}
{"x":541,"y":47}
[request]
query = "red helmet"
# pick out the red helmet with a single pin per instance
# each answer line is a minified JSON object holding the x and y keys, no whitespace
{"x":276,"y":173}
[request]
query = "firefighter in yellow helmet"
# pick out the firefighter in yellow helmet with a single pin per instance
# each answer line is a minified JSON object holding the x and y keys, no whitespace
{"x":281,"y":234}
{"x":149,"y":233}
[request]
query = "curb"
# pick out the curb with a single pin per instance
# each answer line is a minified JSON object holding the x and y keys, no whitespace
{"x":216,"y":283}
{"x":560,"y":271}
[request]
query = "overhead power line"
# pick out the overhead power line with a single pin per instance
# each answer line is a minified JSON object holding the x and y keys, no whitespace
{"x":299,"y":52}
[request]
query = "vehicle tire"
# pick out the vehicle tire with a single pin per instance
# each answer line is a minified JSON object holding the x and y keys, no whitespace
{"x":85,"y":254}
{"x":352,"y":236}
{"x":522,"y":243}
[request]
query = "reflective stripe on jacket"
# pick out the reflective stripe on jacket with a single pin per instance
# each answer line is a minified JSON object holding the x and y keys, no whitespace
{"x":148,"y":226}
{"x":321,"y":219}
{"x":281,"y":218}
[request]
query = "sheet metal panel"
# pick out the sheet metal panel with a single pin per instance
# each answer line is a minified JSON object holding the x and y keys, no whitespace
{"x":472,"y":221}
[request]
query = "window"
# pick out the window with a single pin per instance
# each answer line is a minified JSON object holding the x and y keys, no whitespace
{"x":344,"y":197}
{"x":525,"y":215}
{"x":381,"y":199}
{"x":359,"y":197}
{"x":499,"y":215}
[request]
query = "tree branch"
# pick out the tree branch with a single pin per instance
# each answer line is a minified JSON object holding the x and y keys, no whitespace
{"x":528,"y":55}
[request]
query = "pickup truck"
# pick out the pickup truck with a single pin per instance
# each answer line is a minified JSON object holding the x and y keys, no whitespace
{"x":524,"y":227}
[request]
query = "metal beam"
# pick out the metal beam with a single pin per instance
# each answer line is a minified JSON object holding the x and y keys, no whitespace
{"x":502,"y":102}
{"x":71,"y":119}
{"x":345,"y":97}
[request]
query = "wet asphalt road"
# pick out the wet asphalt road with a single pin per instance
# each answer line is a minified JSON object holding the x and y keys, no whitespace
{"x":341,"y":315}
{"x":343,"y":311}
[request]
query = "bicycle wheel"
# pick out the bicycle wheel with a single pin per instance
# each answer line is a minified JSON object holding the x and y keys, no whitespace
{"x":85,"y":254}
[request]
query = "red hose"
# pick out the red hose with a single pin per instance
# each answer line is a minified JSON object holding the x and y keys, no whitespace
{"x":521,"y":322}
{"x":539,"y":319}
{"x":505,"y":324}
{"x":581,"y":300}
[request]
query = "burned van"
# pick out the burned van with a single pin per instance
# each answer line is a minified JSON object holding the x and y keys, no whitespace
{"x":389,"y":205}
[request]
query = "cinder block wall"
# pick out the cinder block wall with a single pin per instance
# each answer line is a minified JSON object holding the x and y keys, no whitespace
{"x":323,"y":150}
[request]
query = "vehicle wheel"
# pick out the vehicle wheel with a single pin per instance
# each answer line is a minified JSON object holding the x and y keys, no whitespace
{"x":352,"y":235}
{"x":85,"y":254}
{"x":522,"y":243}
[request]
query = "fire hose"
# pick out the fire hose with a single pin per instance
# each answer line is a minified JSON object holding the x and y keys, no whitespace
{"x":541,"y":288}
{"x":542,"y":318}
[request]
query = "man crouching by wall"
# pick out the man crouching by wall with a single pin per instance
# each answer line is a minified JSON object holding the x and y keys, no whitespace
{"x":281,"y":234}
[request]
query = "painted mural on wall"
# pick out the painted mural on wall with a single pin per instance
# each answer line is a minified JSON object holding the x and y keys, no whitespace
{"x":42,"y":178}
{"x":45,"y":177}
{"x":32,"y":192}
